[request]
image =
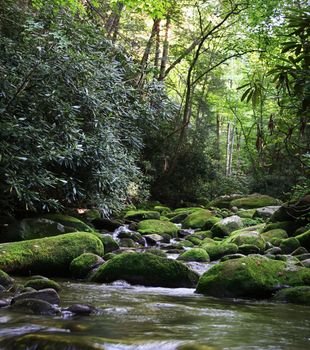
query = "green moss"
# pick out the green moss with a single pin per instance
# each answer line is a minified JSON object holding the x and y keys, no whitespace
{"x":296,"y":295}
{"x":42,"y":283}
{"x":188,"y":210}
{"x":70,"y":221}
{"x":83,"y":264}
{"x":195,"y":254}
{"x":216,"y":251}
{"x":252,"y":238}
{"x":146,"y":269}
{"x":289,"y":226}
{"x":162,"y":209}
{"x":138,"y":215}
{"x":204,"y":234}
{"x":47,"y":256}
{"x":184,"y":244}
{"x":247,"y":249}
{"x":193,"y":239}
{"x":157,"y":227}
{"x":226,"y":226}
{"x":288,"y":245}
{"x":109,"y":243}
{"x":5,"y":280}
{"x":254,"y":201}
{"x":157,"y":252}
{"x":250,"y":277}
{"x":197,"y":219}
{"x":304,"y":239}
{"x":276,"y":233}
{"x":246,"y":213}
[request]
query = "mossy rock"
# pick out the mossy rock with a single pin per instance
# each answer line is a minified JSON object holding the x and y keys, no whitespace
{"x":184,"y":244}
{"x":163,"y":210}
{"x":295,"y":295}
{"x":188,"y":210}
{"x":224,"y":201}
{"x":195,"y":254}
{"x":108,"y":256}
{"x":48,"y":256}
{"x":207,"y":240}
{"x":41,"y":341}
{"x":250,"y":277}
{"x":70,"y":222}
{"x":178,"y":218}
{"x":204,"y":234}
{"x":146,"y":227}
{"x":109,"y":243}
{"x":216,"y":251}
{"x":288,"y":245}
{"x":197,"y":219}
{"x":226,"y":226}
{"x":193,"y":239}
{"x":276,"y":233}
{"x":304,"y":239}
{"x":138,"y":215}
{"x":254,"y":201}
{"x":289,"y":226}
{"x":42,"y":283}
{"x":146,"y":269}
{"x":246,"y":213}
{"x":83,"y":264}
{"x":5,"y":280}
{"x":127,"y":243}
{"x":247,"y":249}
{"x":252,"y":238}
{"x":157,"y":252}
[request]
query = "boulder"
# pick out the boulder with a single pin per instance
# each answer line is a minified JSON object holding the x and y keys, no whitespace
{"x":198,"y":219}
{"x":246,"y":213}
{"x":288,"y":245}
{"x":254,"y":201}
{"x":195,"y":254}
{"x":295,"y":295}
{"x":5,"y":280}
{"x":158,"y":227}
{"x":266,"y":212}
{"x":35,"y":306}
{"x":49,"y":295}
{"x":146,"y":269}
{"x":304,"y":239}
{"x":106,"y":224}
{"x":70,"y":222}
{"x":231,"y":257}
{"x":80,"y":309}
{"x":289,"y":226}
{"x":154,"y":239}
{"x":293,"y":211}
{"x":49,"y":256}
{"x":252,"y":238}
{"x":276,"y":233}
{"x":224,"y":201}
{"x":109,"y":243}
{"x":225,"y":226}
{"x":157,"y":252}
{"x":138,"y":215}
{"x":83,"y":264}
{"x":250,"y":277}
{"x":218,"y":250}
{"x":42,"y":283}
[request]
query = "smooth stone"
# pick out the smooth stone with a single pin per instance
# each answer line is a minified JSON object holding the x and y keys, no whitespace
{"x":49,"y":295}
{"x":80,"y":309}
{"x":36,"y":306}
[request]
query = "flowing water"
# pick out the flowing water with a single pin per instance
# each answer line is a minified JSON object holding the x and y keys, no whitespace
{"x":134,"y":317}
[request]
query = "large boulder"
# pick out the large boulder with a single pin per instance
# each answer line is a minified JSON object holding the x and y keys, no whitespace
{"x":292,"y":211}
{"x":48,"y":256}
{"x":195,"y":254}
{"x":226,"y":226}
{"x":272,"y":234}
{"x":266,"y":212}
{"x":218,"y":250}
{"x":251,"y":277}
{"x":304,"y":239}
{"x":197,"y":219}
{"x":70,"y":222}
{"x":146,"y":269}
{"x":147,"y":227}
{"x":224,"y":201}
{"x":83,"y":264}
{"x":254,"y":201}
{"x":252,"y":238}
{"x":138,"y":215}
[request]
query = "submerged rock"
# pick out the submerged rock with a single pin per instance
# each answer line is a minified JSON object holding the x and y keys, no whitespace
{"x":146,"y":269}
{"x":42,"y":283}
{"x":35,"y":306}
{"x":250,"y":277}
{"x":296,"y":295}
{"x":48,"y":256}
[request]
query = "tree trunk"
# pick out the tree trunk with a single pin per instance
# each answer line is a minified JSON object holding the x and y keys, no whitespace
{"x":164,"y":58}
{"x":228,"y":148}
{"x":218,"y":139}
{"x":157,"y":47}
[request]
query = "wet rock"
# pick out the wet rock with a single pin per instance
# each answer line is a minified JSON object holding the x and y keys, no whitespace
{"x":80,"y":309}
{"x":4,"y":303}
{"x":106,"y":224}
{"x":296,"y":295}
{"x":157,"y":252}
{"x":300,"y":251}
{"x":49,"y":295}
{"x":255,"y":201}
{"x":5,"y":280}
{"x":248,"y":249}
{"x":276,"y":233}
{"x":42,"y":283}
{"x":177,"y":219}
{"x":83,"y":264}
{"x":218,"y":250}
{"x":253,"y":238}
{"x":306,"y":263}
{"x":197,"y":219}
{"x":195,"y":254}
{"x":250,"y":277}
{"x":153,"y":239}
{"x":127,"y":243}
{"x":292,"y":211}
{"x":303,"y":256}
{"x":304,"y":239}
{"x":35,"y":306}
{"x":185,"y":233}
{"x":138,"y":215}
{"x":274,"y":251}
{"x":158,"y":227}
{"x":146,"y":269}
{"x":109,"y":243}
{"x":69,"y":222}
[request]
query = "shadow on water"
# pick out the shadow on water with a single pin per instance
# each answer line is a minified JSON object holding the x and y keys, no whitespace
{"x":134,"y":317}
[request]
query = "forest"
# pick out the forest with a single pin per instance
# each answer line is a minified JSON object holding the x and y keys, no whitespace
{"x":154,"y":157}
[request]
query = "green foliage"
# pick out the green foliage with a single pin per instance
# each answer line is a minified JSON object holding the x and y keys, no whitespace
{"x":72,"y":121}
